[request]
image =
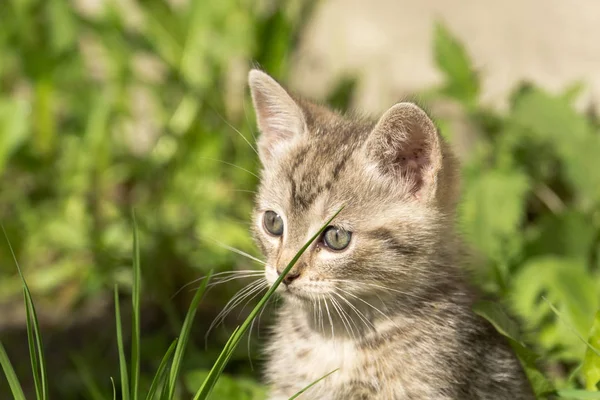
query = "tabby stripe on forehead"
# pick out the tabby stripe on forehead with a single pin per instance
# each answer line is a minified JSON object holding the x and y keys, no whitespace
{"x":386,"y":236}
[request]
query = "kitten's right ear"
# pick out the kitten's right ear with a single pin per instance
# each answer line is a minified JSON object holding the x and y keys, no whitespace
{"x":278,"y":116}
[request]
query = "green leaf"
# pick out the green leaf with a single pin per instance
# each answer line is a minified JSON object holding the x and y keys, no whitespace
{"x":578,"y":394}
{"x":566,"y":283}
{"x":14,"y":128}
{"x":552,"y":121}
{"x":495,"y":314}
{"x":591,"y":361}
{"x":492,"y":210}
{"x":453,"y":61}
{"x":568,"y":234}
{"x":11,"y":377}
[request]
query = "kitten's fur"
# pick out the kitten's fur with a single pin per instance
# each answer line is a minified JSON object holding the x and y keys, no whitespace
{"x":391,"y":312}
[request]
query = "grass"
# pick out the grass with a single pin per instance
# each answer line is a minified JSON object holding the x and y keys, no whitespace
{"x":169,"y":369}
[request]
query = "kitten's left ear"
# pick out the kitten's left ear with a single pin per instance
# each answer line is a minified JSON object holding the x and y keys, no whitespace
{"x":406,"y":146}
{"x":278,"y":116}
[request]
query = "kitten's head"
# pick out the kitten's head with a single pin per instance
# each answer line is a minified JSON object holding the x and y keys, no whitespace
{"x":395,"y":179}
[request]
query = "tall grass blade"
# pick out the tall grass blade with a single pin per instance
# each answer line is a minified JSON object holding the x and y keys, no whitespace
{"x":38,"y":361}
{"x":122,"y":360}
{"x":161,"y":372}
{"x":11,"y":377}
{"x":184,"y":336}
{"x":311,"y":385}
{"x":236,"y":336}
{"x":33,"y":357}
{"x":135,"y":323}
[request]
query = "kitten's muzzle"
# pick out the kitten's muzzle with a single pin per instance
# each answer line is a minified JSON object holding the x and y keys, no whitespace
{"x":294,"y":273}
{"x":290,"y":277}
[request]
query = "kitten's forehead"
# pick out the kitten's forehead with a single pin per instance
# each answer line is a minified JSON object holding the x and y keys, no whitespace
{"x":321,"y":161}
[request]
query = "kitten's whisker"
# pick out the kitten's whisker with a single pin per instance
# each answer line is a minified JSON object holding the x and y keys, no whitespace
{"x":231,"y":304}
{"x":342,"y":315}
{"x":329,"y":317}
{"x":385,"y":288}
{"x":218,"y":274}
{"x":360,"y":315}
{"x":370,"y":305}
{"x":257,"y":292}
{"x":235,"y":250}
{"x":321,"y":316}
{"x":232,"y":278}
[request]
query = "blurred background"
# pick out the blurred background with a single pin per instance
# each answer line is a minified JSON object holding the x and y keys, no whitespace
{"x":107,"y":105}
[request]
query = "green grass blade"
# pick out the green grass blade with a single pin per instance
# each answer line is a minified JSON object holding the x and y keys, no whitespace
{"x":312,"y":384}
{"x":11,"y":377}
{"x":236,"y":336}
{"x":217,"y":368}
{"x":164,"y":393}
{"x":114,"y":388}
{"x":184,"y":336}
{"x":122,"y":361}
{"x":135,"y":323}
{"x":32,"y":351}
{"x":39,"y":370}
{"x":161,"y":372}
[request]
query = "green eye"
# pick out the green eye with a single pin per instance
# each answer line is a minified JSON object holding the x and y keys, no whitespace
{"x":273,"y":223}
{"x":336,"y":238}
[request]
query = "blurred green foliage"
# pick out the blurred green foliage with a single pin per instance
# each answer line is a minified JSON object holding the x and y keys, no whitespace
{"x":110,"y":105}
{"x":531,"y":211}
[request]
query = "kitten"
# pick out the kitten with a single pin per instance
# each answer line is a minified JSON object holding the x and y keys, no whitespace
{"x":379,"y":296}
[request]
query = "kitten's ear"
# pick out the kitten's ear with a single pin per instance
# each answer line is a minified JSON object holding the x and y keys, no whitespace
{"x":278,"y":116}
{"x":406,"y":145}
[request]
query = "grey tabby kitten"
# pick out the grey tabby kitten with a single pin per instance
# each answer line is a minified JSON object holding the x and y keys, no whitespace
{"x":379,"y":296}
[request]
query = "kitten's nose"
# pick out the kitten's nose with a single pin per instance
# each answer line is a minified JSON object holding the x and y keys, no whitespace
{"x":290,"y":277}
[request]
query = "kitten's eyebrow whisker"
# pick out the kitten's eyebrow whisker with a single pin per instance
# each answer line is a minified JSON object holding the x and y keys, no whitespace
{"x":235,"y":129}
{"x":230,"y":164}
{"x":248,"y":121}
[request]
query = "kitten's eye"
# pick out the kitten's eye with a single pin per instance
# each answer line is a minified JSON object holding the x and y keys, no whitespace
{"x":273,"y":223}
{"x":336,"y":238}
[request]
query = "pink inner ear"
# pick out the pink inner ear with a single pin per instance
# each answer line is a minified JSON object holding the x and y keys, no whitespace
{"x":412,"y":161}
